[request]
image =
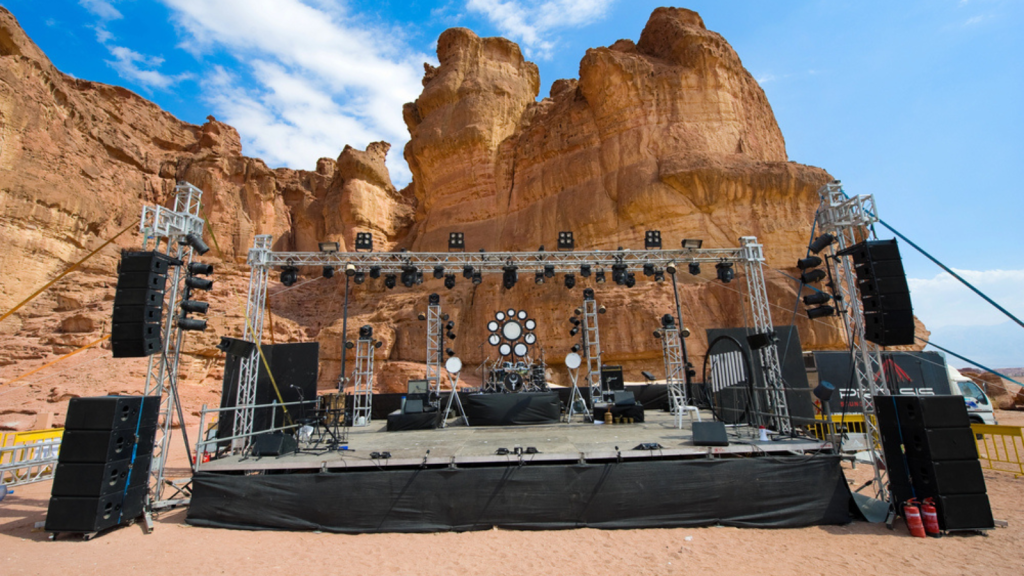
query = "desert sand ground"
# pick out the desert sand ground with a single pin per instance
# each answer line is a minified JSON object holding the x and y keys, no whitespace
{"x":176,"y":548}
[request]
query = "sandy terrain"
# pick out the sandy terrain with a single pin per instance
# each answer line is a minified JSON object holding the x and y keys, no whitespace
{"x":176,"y":548}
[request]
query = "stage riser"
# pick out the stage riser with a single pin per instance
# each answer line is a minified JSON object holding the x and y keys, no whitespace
{"x":762,"y":492}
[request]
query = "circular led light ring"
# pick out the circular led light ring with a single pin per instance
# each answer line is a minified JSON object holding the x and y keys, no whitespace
{"x":494,"y":339}
{"x":522,"y":314}
{"x":511,"y":313}
{"x":492,"y":326}
{"x":530,"y":339}
{"x":512,"y":330}
{"x":520,"y":349}
{"x":531,"y":324}
{"x":499,"y":316}
{"x":504,"y":349}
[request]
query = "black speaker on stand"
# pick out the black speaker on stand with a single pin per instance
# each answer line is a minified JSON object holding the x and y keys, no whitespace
{"x":138,"y":304}
{"x":102,"y":472}
{"x":885,"y":296}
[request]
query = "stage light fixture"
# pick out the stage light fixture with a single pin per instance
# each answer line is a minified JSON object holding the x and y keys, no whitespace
{"x":575,"y":330}
{"x":328,"y":271}
{"x":365,"y":332}
{"x":451,"y":335}
{"x":822,"y":242}
{"x":456,"y":242}
{"x":585,"y":270}
{"x":588,"y":293}
{"x":809,"y":262}
{"x":599,"y":276}
{"x":374,"y":271}
{"x":195,"y":306}
{"x":467,"y":272}
{"x":389,"y":281}
{"x":438,"y":272}
{"x":820,"y":312}
{"x":378,"y":344}
{"x":289,"y":275}
{"x":566,"y":241}
{"x":659,"y":275}
{"x":198,"y":283}
{"x":450,"y":325}
{"x":694,"y":268}
{"x":692,"y":244}
{"x":619,"y":273}
{"x":408,"y":276}
{"x":575,"y":348}
{"x":350,"y":270}
{"x":350,"y":345}
{"x":509,"y":277}
{"x":652,"y":240}
{"x":191,"y":324}
{"x":200,"y":268}
{"x":419,"y":276}
{"x":477,"y":278}
{"x":601,"y":309}
{"x":549,"y":271}
{"x":364,"y":242}
{"x":196,"y":242}
{"x":685,"y":332}
{"x":360,"y":277}
{"x":450,"y":352}
{"x":449,"y":281}
{"x":671,"y":268}
{"x":577,"y":312}
{"x":329,"y":247}
{"x":668,"y":320}
{"x":630,"y":280}
{"x":421,"y":316}
{"x":816,"y":298}
{"x":812,"y":276}
{"x":538,"y":277}
{"x":570,"y":281}
{"x":725,"y":272}
{"x":657,"y":334}
{"x":648,"y":269}
{"x":434,"y":299}
{"x":444,"y":316}
{"x":574,"y":321}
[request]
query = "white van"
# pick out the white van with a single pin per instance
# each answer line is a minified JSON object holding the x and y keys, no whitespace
{"x":979,"y":405}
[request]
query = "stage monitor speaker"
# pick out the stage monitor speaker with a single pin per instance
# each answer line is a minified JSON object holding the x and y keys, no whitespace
{"x":611,"y":378}
{"x":112,"y":413}
{"x":889,"y":316}
{"x":710,"y":434}
{"x":964,"y":512}
{"x":78,"y":514}
{"x":273,"y":444}
{"x":84,"y":446}
{"x":919,"y":413}
{"x":99,"y":479}
{"x":413,"y":406}
{"x":624,"y":398}
{"x":941,"y":444}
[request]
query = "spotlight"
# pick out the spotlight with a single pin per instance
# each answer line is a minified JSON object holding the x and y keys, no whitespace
{"x":659,"y":275}
{"x":438,"y":272}
{"x":477,"y":278}
{"x":694,"y":268}
{"x":657,"y":334}
{"x":444,"y":316}
{"x":450,"y":325}
{"x":198,"y":283}
{"x":197,"y":244}
{"x":509,"y":277}
{"x":419,"y":276}
{"x":570,"y":281}
{"x":433,"y":299}
{"x":816,"y":298}
{"x":364,"y":242}
{"x":450,"y":352}
{"x":601,"y":309}
{"x":389,"y":281}
{"x":585,"y":270}
{"x":821,"y":311}
{"x":685,"y":333}
{"x":328,"y":271}
{"x":192,"y":323}
{"x":725,"y":272}
{"x":600,"y":276}
{"x":377,"y":344}
{"x":565,"y":241}
{"x":200,"y":268}
{"x":365,"y":332}
{"x":289,"y":275}
{"x":588,"y":293}
{"x":350,"y":345}
{"x":812,"y":276}
{"x":692,"y":244}
{"x":449,"y":281}
{"x":329,"y":247}
{"x":652,"y":240}
{"x":575,"y":330}
{"x":456,"y":242}
{"x":350,"y":270}
{"x":630,"y":280}
{"x":374,"y":271}
{"x":451,"y":335}
{"x":574,"y":321}
{"x":421,"y":316}
{"x":549,"y":271}
{"x":577,"y":312}
{"x":671,"y":268}
{"x":467,"y":272}
{"x":619,"y":273}
{"x":408,"y":276}
{"x":195,"y":307}
{"x":648,"y":269}
{"x":668,"y":320}
{"x":575,"y":348}
{"x":822,"y":242}
{"x":360,"y":277}
{"x":539,"y":277}
{"x":809,"y":262}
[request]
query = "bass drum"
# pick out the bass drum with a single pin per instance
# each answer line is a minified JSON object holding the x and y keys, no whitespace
{"x":513,"y":382}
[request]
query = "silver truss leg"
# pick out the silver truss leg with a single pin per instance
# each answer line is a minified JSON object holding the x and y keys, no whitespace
{"x":435,"y":345}
{"x":453,"y":379}
{"x":778,"y":407}
{"x":362,"y":393}
{"x":592,"y":350}
{"x":249,"y":367}
{"x":575,"y":396}
{"x":675,"y":368}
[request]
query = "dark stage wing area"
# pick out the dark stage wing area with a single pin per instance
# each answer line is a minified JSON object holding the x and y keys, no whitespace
{"x":761,"y":492}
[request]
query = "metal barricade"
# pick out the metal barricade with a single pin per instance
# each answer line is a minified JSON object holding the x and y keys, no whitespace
{"x":27,"y":457}
{"x":1000,"y":447}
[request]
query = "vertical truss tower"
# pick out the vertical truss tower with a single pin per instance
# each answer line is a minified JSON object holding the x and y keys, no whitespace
{"x":592,"y":349}
{"x":250,"y":367}
{"x":362,"y":393}
{"x":435,"y":348}
{"x":675,"y":368}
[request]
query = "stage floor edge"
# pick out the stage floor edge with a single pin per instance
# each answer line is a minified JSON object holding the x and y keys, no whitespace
{"x":761,"y":492}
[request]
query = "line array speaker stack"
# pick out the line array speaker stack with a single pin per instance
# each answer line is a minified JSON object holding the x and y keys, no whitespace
{"x":930,"y":452}
{"x":96,"y":484}
{"x":138,"y":304}
{"x":888,"y":314}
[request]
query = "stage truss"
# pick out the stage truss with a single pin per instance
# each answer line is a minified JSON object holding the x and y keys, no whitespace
{"x":749,"y":255}
{"x":675,"y":367}
{"x":849,"y":220}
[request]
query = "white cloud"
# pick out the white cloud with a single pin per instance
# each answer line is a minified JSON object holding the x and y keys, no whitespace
{"x":102,"y":8}
{"x":765,"y":78}
{"x":140,"y":68}
{"x":531,"y":22}
{"x":322,"y":78}
{"x":943,"y":301}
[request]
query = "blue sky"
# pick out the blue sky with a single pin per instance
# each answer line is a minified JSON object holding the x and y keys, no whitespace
{"x":916,"y":102}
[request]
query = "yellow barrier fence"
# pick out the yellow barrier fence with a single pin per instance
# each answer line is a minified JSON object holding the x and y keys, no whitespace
{"x":849,"y":423}
{"x":1000,"y":447}
{"x":27,"y":457}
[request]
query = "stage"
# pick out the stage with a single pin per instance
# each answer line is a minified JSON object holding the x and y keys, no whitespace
{"x":582,"y":474}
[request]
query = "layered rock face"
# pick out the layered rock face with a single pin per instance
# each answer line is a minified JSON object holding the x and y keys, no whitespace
{"x":670,"y":133}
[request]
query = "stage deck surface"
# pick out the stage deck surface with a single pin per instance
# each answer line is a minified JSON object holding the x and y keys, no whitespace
{"x":462,"y":445}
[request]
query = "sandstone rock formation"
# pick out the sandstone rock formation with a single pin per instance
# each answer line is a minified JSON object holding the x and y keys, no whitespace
{"x":668,"y":133}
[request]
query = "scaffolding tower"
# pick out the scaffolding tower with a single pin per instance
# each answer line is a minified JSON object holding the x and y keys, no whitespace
{"x":675,"y":368}
{"x":592,"y":349}
{"x":362,"y":392}
{"x":435,"y":347}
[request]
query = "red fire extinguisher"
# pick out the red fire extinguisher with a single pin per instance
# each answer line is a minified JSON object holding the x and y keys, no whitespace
{"x":931,"y":518}
{"x":913,"y":516}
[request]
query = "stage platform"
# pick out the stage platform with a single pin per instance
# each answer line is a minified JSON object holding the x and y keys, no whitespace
{"x":461,"y":445}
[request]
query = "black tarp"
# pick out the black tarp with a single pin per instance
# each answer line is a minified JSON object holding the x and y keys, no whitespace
{"x":509,"y":409}
{"x":762,"y":492}
{"x":398,"y":422}
{"x":906,"y":373}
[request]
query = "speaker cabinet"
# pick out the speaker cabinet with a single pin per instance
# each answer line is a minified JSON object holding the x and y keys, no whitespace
{"x":611,"y":378}
{"x":951,"y":477}
{"x":91,"y":446}
{"x":112,"y":412}
{"x":138,"y":304}
{"x":78,"y":514}
{"x":273,"y":444}
{"x":624,"y":398}
{"x":413,"y":406}
{"x":91,"y":480}
{"x":964,"y":512}
{"x":932,"y":412}
{"x":940,"y":445}
{"x":709,"y":434}
{"x":885,"y":296}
